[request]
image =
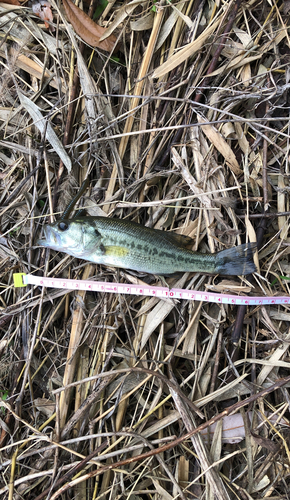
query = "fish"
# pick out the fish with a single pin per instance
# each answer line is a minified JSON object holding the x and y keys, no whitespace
{"x":128,"y":245}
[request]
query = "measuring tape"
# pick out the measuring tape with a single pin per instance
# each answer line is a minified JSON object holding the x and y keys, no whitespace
{"x":22,"y":279}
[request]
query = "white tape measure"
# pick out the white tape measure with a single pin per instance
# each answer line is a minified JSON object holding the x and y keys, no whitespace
{"x":22,"y":279}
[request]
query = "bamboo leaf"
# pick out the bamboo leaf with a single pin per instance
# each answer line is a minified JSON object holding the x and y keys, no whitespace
{"x":183,"y":54}
{"x":222,"y":146}
{"x":40,"y":123}
{"x":122,"y":13}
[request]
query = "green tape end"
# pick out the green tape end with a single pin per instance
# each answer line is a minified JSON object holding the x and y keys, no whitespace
{"x":18,"y":280}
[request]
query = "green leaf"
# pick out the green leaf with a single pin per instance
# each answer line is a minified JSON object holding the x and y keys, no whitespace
{"x":4,"y":396}
{"x":100,"y":9}
{"x":285,"y":278}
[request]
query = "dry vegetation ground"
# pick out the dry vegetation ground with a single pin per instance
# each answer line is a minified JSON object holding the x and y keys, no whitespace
{"x":149,"y":371}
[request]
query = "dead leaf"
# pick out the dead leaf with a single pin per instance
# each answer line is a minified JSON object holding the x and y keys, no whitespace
{"x":85,"y":27}
{"x":242,"y":140}
{"x":233,"y":430}
{"x":228,"y":286}
{"x":265,"y":443}
{"x":11,"y":2}
{"x":162,"y":493}
{"x":253,"y":239}
{"x":143,"y":23}
{"x":121,"y":14}
{"x":43,"y":126}
{"x":286,"y":6}
{"x":222,"y":146}
{"x":45,"y":406}
{"x":281,"y":199}
{"x":42,"y":9}
{"x":183,"y":54}
{"x":159,"y":313}
{"x":236,"y":63}
{"x":34,"y":68}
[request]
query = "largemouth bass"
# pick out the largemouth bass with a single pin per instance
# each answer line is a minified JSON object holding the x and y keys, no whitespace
{"x":125,"y":244}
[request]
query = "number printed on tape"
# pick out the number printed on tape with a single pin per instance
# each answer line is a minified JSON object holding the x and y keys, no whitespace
{"x":221,"y":298}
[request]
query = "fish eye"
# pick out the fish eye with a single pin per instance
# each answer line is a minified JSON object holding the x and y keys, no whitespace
{"x":62,"y":226}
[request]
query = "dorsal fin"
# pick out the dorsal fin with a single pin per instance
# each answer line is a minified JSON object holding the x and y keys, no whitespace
{"x":72,"y":203}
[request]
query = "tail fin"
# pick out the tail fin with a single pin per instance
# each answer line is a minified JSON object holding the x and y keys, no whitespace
{"x":236,"y":260}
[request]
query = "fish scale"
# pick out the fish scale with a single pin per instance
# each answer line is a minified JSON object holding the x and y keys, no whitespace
{"x":125,"y":244}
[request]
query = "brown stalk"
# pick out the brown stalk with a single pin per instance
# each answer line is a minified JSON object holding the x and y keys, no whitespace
{"x":268,"y":215}
{"x":75,"y":470}
{"x":214,"y":61}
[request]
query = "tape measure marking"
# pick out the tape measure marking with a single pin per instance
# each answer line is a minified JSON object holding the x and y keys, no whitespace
{"x":22,"y":279}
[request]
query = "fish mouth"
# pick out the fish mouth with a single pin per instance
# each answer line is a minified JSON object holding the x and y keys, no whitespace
{"x":49,"y":240}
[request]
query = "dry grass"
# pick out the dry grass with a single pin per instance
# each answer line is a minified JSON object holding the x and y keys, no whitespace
{"x":149,"y":372}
